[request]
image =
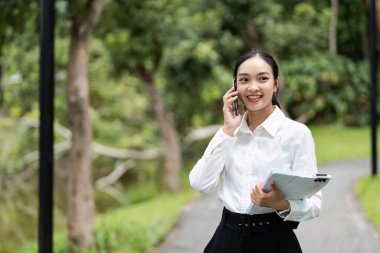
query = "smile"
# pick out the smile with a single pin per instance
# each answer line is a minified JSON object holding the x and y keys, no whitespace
{"x":254,"y":98}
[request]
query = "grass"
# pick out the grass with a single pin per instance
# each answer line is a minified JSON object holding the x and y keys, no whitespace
{"x":131,"y":229}
{"x":139,"y":227}
{"x":368,"y":190}
{"x":337,"y":142}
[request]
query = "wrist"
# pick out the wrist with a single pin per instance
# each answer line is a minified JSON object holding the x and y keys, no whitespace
{"x":228,"y":130}
{"x":283,"y":206}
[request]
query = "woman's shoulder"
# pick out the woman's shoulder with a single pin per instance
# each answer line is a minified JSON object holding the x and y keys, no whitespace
{"x":295,"y":128}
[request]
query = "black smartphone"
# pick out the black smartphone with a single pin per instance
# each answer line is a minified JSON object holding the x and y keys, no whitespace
{"x":235,"y":105}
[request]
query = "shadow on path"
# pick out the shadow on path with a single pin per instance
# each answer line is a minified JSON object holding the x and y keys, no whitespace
{"x":341,"y":227}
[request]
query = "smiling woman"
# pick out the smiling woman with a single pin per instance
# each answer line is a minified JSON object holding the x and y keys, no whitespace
{"x":243,"y":152}
{"x":256,"y":85}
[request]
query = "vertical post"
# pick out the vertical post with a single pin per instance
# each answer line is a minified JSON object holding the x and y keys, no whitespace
{"x":46,"y":139}
{"x":373,"y":74}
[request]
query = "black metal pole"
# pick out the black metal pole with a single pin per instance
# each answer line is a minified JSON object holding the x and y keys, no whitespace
{"x":373,"y":74}
{"x":46,"y":98}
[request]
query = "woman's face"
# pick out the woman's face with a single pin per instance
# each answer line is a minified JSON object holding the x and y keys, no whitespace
{"x":256,"y":84}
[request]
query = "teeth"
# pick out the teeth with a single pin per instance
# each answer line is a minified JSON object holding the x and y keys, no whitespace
{"x":253,"y":97}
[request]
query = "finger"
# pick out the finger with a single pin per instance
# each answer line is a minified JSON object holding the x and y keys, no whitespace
{"x":258,"y":190}
{"x":231,"y":92}
{"x":253,"y":193}
{"x":273,"y":185}
{"x":228,"y":102}
{"x":254,"y":198}
{"x":260,"y":186}
{"x":230,"y":97}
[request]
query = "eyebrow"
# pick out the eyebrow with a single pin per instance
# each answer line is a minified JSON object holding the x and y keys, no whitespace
{"x":261,"y":73}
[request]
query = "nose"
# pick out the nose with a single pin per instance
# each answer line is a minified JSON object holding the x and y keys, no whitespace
{"x":253,"y":86}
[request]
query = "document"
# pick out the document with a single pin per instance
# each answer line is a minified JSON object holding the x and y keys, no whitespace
{"x":292,"y":185}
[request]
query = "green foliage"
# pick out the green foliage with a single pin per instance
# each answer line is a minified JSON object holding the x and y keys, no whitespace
{"x":326,"y":88}
{"x":140,"y":32}
{"x":17,"y":217}
{"x":368,"y":188}
{"x":132,"y":229}
{"x":179,"y":43}
{"x":20,"y":81}
{"x":17,"y":19}
{"x":18,"y":139}
{"x":190,"y":47}
{"x":61,"y":58}
{"x":337,"y":142}
{"x":304,"y":32}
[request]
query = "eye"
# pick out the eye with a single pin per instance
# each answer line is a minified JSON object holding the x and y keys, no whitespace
{"x":243,"y":80}
{"x":263,"y":78}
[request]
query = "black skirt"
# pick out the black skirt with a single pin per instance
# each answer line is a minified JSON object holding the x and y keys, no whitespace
{"x":265,"y":233}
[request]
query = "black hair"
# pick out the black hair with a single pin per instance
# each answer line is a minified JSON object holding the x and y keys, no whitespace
{"x":268,"y":59}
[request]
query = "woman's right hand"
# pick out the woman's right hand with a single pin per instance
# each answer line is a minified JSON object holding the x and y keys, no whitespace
{"x":231,"y":121}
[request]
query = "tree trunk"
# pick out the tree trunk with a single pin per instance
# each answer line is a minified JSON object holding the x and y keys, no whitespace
{"x":80,"y":206}
{"x":172,"y":151}
{"x":333,"y":44}
{"x":364,"y":37}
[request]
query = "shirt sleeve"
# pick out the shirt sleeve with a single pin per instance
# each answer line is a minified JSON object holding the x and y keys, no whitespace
{"x":205,"y":174}
{"x":305,"y":161}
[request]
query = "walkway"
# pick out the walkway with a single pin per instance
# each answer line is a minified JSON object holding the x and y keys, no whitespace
{"x":341,"y":227}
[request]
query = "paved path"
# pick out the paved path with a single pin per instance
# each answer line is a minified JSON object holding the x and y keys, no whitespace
{"x":341,"y":227}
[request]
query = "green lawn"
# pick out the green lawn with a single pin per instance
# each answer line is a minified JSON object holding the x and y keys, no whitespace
{"x":336,"y":142}
{"x":368,"y":190}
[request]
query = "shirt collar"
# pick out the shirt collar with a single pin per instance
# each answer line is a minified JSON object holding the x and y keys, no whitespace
{"x":271,"y":124}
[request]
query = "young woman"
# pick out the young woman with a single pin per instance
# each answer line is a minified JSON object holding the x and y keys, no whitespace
{"x":241,"y":155}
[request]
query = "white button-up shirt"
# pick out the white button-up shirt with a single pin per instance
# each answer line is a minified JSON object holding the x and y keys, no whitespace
{"x":246,"y":159}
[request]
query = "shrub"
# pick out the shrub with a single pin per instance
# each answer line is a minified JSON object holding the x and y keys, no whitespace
{"x":325,"y":88}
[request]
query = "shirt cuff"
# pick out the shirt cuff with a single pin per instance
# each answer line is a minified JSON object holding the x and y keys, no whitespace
{"x":296,"y":213}
{"x":284,"y":213}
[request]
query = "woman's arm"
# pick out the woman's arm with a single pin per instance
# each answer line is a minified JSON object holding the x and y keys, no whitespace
{"x":304,"y":161}
{"x":205,"y":174}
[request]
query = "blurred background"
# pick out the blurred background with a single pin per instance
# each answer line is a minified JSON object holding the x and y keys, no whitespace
{"x":138,"y":93}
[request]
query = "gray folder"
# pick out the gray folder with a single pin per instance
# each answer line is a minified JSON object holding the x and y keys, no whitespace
{"x":293,"y":186}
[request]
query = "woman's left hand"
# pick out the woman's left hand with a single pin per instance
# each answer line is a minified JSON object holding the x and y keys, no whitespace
{"x":274,"y":199}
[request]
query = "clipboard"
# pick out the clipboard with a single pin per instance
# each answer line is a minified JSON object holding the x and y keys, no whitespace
{"x":293,"y":186}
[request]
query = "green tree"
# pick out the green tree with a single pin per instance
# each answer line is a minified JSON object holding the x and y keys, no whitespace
{"x":139,"y":31}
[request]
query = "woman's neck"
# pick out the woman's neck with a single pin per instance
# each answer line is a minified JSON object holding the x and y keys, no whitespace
{"x":255,"y":118}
